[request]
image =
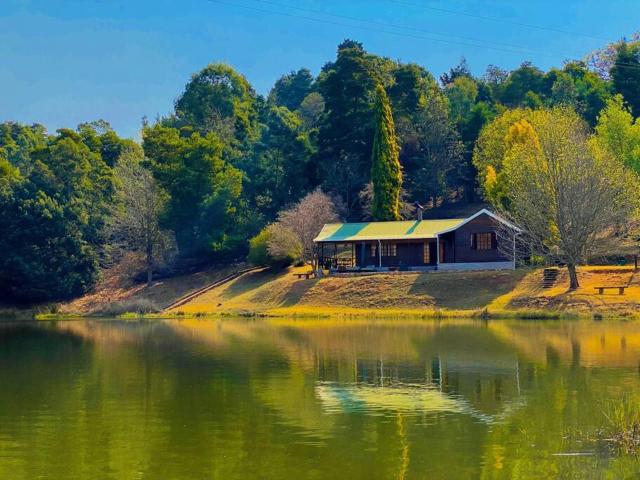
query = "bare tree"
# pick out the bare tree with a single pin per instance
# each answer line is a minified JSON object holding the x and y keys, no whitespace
{"x":572,"y":200}
{"x":135,"y":220}
{"x":306,"y":218}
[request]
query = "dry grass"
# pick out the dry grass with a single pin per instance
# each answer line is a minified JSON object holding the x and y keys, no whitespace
{"x":445,"y":294}
{"x":117,"y":289}
{"x":529,"y":294}
{"x":463,"y":294}
{"x":281,"y":293}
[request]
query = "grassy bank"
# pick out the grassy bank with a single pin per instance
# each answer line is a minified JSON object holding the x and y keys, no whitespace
{"x":500,"y":294}
{"x":430,"y":295}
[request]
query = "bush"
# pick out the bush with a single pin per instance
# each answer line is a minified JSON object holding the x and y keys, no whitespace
{"x":130,"y":305}
{"x":274,"y":246}
{"x":259,"y":249}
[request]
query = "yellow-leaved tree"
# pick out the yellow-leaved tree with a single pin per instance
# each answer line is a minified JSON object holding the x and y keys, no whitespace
{"x":573,"y":199}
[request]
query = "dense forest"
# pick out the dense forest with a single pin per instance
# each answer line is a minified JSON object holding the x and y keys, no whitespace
{"x":368,"y":134}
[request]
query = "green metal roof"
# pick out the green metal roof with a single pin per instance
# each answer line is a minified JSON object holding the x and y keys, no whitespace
{"x":405,"y":230}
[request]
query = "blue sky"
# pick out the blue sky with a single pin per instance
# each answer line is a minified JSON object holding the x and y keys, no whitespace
{"x":63,"y":62}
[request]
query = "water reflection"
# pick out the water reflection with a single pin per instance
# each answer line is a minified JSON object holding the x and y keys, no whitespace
{"x":311,"y":399}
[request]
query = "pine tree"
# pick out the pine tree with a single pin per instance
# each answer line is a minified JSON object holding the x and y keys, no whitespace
{"x":386,"y":172}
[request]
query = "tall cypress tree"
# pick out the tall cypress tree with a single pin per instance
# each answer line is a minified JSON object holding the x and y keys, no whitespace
{"x":386,"y":172}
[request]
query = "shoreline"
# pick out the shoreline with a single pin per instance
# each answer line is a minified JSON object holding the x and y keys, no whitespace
{"x":356,"y":314}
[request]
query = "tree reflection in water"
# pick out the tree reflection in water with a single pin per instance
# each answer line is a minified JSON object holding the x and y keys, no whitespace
{"x":312,"y":399}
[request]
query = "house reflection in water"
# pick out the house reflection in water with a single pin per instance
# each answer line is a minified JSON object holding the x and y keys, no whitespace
{"x":486,"y":389}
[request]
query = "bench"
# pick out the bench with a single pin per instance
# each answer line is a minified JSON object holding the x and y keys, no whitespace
{"x":306,"y":275}
{"x":620,"y":288}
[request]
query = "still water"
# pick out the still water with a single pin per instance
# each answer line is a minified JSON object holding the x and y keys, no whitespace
{"x":285,"y":399}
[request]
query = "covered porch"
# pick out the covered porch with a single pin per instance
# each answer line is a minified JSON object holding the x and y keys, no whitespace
{"x":377,"y":255}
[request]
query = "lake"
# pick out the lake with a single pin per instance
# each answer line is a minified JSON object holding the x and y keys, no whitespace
{"x":326,"y":399}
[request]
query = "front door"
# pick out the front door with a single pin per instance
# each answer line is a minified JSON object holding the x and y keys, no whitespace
{"x":442,"y":252}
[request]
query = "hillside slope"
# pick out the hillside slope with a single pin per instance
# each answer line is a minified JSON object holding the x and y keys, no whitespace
{"x":464,"y":293}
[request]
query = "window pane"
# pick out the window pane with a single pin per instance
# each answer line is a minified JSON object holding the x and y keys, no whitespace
{"x":483,"y":241}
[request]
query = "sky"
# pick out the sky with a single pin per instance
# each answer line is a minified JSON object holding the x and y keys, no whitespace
{"x":64,"y":62}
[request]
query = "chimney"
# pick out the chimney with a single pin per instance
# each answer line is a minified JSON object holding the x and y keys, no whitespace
{"x":419,"y":211}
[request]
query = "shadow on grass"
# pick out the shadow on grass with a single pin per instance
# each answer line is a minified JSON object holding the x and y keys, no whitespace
{"x":251,"y":281}
{"x":465,"y":290}
{"x":297,"y":291}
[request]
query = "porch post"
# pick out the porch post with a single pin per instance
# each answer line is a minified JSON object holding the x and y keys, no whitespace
{"x":437,"y":251}
{"x":362,"y":253}
{"x":379,"y":254}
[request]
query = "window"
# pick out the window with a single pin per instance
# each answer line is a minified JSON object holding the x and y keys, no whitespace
{"x":483,"y":241}
{"x":388,"y":250}
{"x":426,"y":256}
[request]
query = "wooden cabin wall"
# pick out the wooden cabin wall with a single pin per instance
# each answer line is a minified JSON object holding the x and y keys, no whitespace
{"x":464,"y":253}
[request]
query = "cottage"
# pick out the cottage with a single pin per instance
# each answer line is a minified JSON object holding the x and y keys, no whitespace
{"x":483,"y":241}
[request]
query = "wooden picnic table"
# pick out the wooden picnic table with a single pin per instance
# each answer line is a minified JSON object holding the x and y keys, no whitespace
{"x":306,"y":275}
{"x":620,"y":288}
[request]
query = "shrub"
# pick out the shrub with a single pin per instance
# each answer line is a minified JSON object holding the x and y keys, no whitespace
{"x":130,"y":305}
{"x":258,"y":249}
{"x":274,"y":246}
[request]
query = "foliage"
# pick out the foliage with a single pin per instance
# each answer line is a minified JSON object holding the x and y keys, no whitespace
{"x":291,"y":89}
{"x":346,"y":129}
{"x":617,"y":132}
{"x":280,"y":170}
{"x":369,"y":130}
{"x":625,"y":74}
{"x":573,"y":199}
{"x":258,"y":248}
{"x":204,"y":190}
{"x":218,"y":99}
{"x":386,"y":172}
{"x":275,"y":245}
{"x":54,"y":197}
{"x":311,"y":109}
{"x":135,"y":221}
{"x":490,"y":148}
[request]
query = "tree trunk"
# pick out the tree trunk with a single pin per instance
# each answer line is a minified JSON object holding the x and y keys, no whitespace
{"x":573,"y":277}
{"x":149,"y":263}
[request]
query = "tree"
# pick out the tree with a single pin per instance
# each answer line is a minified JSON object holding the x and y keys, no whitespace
{"x":280,"y":170}
{"x":625,"y":74}
{"x":460,"y":70}
{"x":490,"y":148}
{"x":433,"y":160}
{"x":386,"y":172}
{"x":520,"y":82}
{"x":572,"y":199}
{"x":204,"y":190}
{"x":291,"y":89}
{"x":346,"y":129}
{"x":617,"y":132}
{"x":54,"y":197}
{"x":462,"y":95}
{"x":218,"y":99}
{"x":306,"y":218}
{"x":136,"y":216}
{"x":310,"y":110}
